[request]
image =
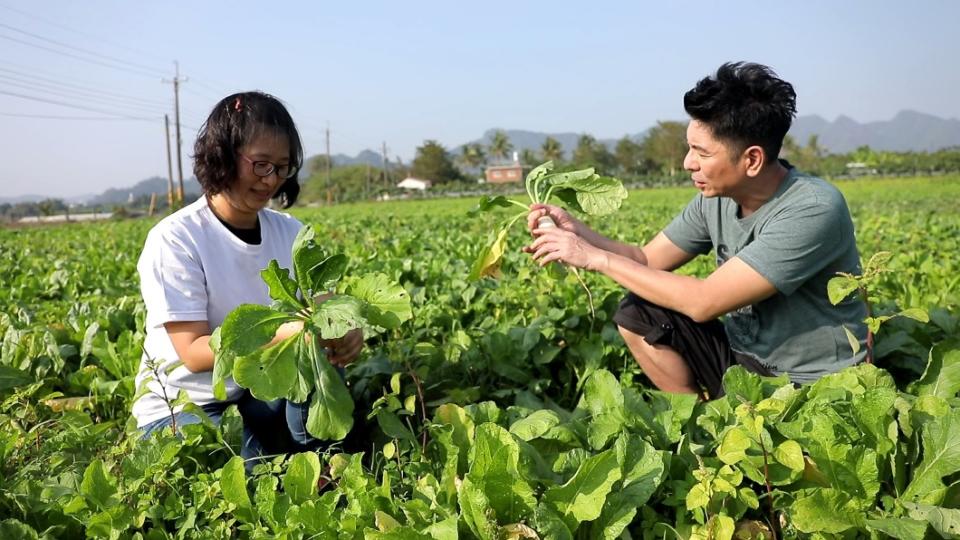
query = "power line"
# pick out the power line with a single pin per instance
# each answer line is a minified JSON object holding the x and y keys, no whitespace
{"x":21,"y":75}
{"x":78,"y":32}
{"x":57,"y":117}
{"x":88,"y":97}
{"x":75,"y":106}
{"x":77,"y":57}
{"x":78,"y":49}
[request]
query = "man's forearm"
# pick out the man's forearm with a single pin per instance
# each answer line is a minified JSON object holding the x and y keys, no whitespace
{"x":677,"y":292}
{"x":633,"y":253}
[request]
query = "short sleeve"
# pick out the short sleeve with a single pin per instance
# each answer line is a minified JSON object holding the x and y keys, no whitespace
{"x":798,"y":243}
{"x":172,"y":281}
{"x":688,"y":231}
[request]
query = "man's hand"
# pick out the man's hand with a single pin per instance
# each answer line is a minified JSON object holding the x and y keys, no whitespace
{"x":560,"y":217}
{"x":343,"y":351}
{"x":555,"y":244}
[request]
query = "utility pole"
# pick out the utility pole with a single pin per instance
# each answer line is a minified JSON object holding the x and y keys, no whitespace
{"x":176,"y":118}
{"x":366,"y":187}
{"x":384,"y":162}
{"x":166,"y":126}
{"x":329,"y":184}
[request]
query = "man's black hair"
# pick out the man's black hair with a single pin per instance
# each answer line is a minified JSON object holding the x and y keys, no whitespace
{"x":744,"y":104}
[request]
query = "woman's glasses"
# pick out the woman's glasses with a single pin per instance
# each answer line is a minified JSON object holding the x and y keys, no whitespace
{"x":266,"y":168}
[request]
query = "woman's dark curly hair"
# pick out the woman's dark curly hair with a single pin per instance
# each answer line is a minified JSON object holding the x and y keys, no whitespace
{"x":235,"y":122}
{"x":744,"y":104}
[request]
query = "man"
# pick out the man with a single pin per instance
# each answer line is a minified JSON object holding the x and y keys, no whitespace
{"x":778,"y":235}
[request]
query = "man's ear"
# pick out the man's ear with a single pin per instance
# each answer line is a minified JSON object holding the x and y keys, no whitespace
{"x":754,"y":159}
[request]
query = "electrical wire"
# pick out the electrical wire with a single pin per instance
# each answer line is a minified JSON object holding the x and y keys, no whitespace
{"x":75,"y":106}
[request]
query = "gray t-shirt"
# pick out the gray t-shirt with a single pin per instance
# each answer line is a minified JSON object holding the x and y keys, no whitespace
{"x":798,"y":240}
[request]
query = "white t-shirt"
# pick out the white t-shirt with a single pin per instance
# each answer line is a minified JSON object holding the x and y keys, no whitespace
{"x":193,"y":268}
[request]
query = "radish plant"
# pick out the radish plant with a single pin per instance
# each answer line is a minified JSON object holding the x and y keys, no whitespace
{"x":582,"y":190}
{"x":296,"y":368}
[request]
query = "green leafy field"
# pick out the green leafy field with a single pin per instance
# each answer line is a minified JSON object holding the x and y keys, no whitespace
{"x":500,"y":410}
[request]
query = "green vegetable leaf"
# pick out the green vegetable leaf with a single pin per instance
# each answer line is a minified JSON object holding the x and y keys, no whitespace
{"x":11,"y":377}
{"x":941,"y":457}
{"x":271,"y":372}
{"x":316,"y":271}
{"x":223,"y":361}
{"x":840,"y":287}
{"x":249,"y":327}
{"x":604,"y":400}
{"x":901,"y":528}
{"x":583,"y":496}
{"x":330,"y":416}
{"x":300,"y":480}
{"x":495,"y":471}
{"x":941,"y":378}
{"x":917,"y":314}
{"x":233,"y":485}
{"x":488,"y":203}
{"x":826,"y":511}
{"x":336,"y":316}
{"x":534,"y":425}
{"x":98,"y":487}
{"x":283,"y":288}
{"x":387,"y":303}
{"x":594,"y":195}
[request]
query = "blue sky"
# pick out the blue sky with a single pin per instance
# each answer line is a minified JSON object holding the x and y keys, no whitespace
{"x":402,"y":72}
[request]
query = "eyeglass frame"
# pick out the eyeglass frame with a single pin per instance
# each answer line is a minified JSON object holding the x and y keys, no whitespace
{"x":274,"y":168}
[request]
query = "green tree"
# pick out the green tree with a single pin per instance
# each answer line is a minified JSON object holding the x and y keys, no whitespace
{"x":551,"y":150}
{"x":500,"y":146}
{"x":348,"y":183}
{"x":666,"y":146}
{"x":592,"y":153}
{"x":629,"y":156}
{"x":472,"y":156}
{"x":49,"y":207}
{"x":529,"y":158}
{"x":433,"y":163}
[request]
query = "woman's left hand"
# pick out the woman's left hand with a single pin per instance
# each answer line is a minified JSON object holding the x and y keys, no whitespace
{"x":556,"y":244}
{"x":343,"y":351}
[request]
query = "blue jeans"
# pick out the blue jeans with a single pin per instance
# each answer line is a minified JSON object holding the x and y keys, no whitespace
{"x":269,"y":427}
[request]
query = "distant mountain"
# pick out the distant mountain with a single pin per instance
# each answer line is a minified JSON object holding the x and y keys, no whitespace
{"x":154,"y":184}
{"x":22,"y":199}
{"x":366,"y":157}
{"x":78,"y":199}
{"x":907,"y":131}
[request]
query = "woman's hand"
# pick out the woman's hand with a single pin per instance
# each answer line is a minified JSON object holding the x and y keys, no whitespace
{"x":343,"y":351}
{"x":340,"y":351}
{"x":558,"y":244}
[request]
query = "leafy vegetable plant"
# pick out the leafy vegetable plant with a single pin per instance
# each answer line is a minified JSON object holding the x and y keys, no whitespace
{"x":582,"y":190}
{"x":865,"y":286}
{"x":296,"y":368}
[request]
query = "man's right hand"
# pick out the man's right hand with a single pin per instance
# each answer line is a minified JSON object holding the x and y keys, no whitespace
{"x":560,"y":217}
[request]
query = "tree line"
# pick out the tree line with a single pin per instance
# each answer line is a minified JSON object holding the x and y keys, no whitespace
{"x":656,"y":160}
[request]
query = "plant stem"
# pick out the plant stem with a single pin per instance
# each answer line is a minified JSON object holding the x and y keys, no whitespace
{"x":520,"y":204}
{"x":576,"y":273}
{"x":866,"y":301}
{"x":766,"y":479}
{"x":423,"y":407}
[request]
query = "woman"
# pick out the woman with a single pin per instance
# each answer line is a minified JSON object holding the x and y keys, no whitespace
{"x":204,"y":260}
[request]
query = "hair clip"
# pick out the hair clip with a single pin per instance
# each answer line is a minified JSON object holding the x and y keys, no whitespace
{"x":237,"y":105}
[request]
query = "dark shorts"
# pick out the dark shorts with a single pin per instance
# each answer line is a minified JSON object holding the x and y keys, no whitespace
{"x":704,"y":346}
